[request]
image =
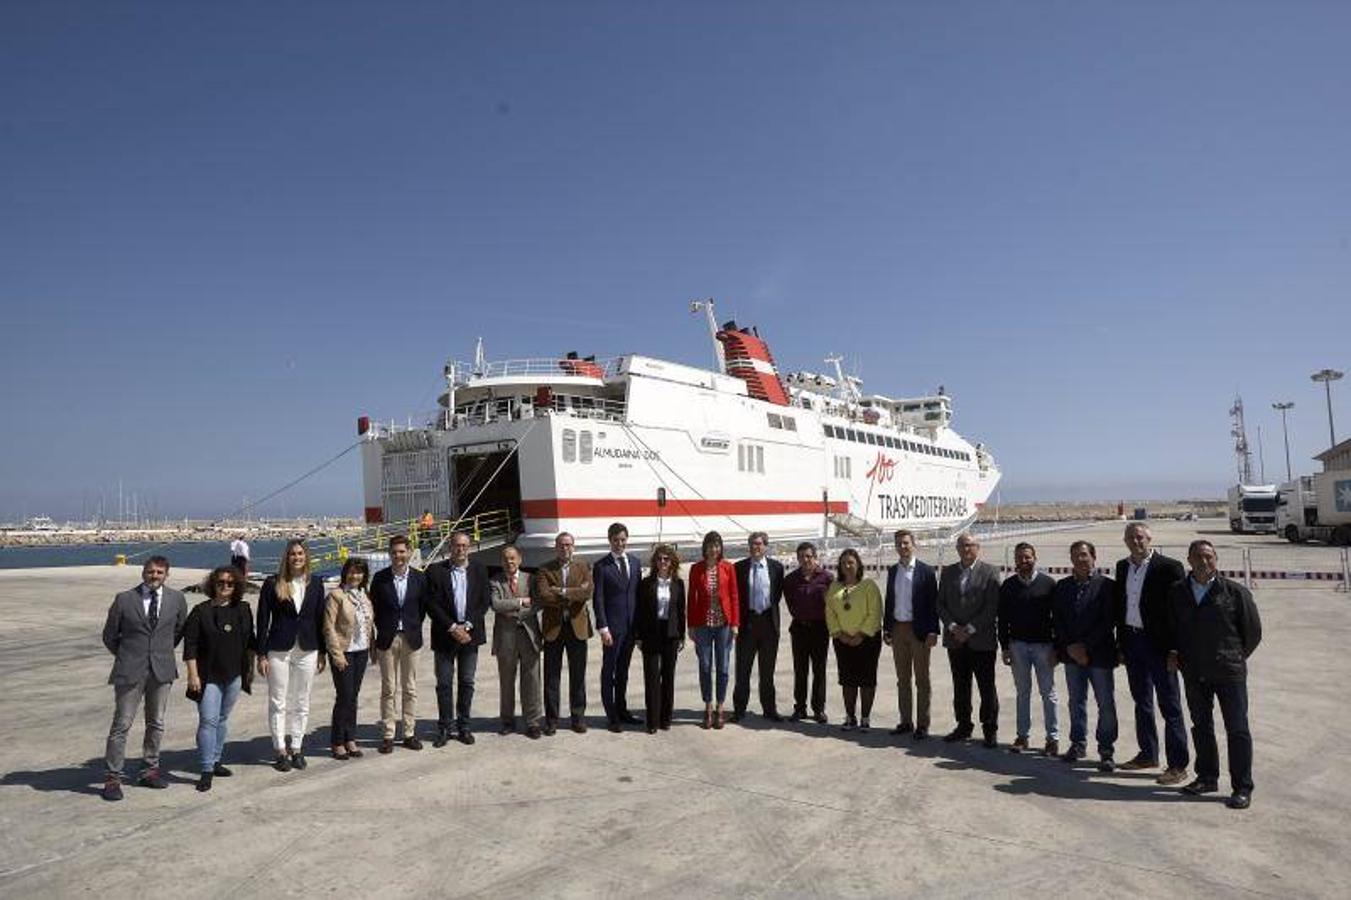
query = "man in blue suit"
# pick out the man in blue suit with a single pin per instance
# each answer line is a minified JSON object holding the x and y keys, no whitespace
{"x":1084,"y":615}
{"x":615,"y":597}
{"x":910,"y":627}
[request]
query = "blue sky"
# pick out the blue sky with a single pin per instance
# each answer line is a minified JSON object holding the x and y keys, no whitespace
{"x":227,"y":231}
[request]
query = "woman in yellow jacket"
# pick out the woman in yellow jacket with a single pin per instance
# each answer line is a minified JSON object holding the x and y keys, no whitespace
{"x":854,"y":618}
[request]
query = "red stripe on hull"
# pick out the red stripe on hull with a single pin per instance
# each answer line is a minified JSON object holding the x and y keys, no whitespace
{"x":605,"y":508}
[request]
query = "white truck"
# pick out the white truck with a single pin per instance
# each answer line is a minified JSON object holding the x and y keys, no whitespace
{"x":1252,"y":509}
{"x":1316,"y":508}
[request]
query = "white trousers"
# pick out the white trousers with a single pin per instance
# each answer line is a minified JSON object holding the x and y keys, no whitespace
{"x":290,"y":676}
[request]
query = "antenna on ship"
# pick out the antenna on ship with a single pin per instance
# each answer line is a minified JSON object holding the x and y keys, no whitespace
{"x":1240,"y":434}
{"x":480,"y":359}
{"x":847,"y":385}
{"x":706,"y":307}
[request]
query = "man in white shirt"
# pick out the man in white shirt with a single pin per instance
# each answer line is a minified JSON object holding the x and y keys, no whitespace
{"x":910,"y":626}
{"x":239,"y":554}
{"x":1143,"y":581}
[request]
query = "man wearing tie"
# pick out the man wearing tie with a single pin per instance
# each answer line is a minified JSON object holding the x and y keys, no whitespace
{"x":143,"y":626}
{"x":615,"y":596}
{"x":459,"y":599}
{"x":968,"y":602}
{"x":561,"y":588}
{"x":910,"y":627}
{"x":759,"y":582}
{"x":516,"y":644}
{"x":399,"y":600}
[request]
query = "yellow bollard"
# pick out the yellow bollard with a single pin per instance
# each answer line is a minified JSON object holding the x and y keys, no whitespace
{"x":120,"y":559}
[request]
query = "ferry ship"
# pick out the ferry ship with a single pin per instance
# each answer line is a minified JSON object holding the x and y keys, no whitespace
{"x":574,"y":443}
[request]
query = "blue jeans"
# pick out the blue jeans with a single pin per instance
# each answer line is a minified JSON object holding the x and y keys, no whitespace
{"x":706,"y":640}
{"x":1147,"y":670}
{"x":1077,"y":679}
{"x":213,"y":714}
{"x":1026,"y":657}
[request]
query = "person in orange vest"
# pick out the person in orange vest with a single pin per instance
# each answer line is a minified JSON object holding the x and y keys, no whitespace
{"x":426,"y":528}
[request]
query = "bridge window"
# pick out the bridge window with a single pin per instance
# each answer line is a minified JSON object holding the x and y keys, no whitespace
{"x":789,"y":423}
{"x":775,"y":421}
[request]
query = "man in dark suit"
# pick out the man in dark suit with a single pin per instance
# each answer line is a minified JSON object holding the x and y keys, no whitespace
{"x":1213,"y":627}
{"x":968,"y":601}
{"x":143,"y":626}
{"x":615,"y":577}
{"x":460,"y":597}
{"x":759,"y":582}
{"x":1083,"y":611}
{"x":399,"y":597}
{"x":1143,"y":581}
{"x":910,"y":627}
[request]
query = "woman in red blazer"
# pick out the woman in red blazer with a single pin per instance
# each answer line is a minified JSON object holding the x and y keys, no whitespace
{"x":713,"y":625}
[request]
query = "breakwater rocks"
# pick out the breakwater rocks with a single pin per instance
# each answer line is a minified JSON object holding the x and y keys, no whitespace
{"x":183,"y":531}
{"x":1089,"y":511}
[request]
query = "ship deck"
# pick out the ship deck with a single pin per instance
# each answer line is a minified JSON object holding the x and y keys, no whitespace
{"x":749,"y":811}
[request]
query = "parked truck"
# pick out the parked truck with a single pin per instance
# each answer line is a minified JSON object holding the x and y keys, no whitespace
{"x":1316,"y":508}
{"x":1252,"y":509}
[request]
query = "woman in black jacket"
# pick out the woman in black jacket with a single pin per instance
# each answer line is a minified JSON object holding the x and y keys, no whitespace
{"x":659,"y":628}
{"x":290,"y":638}
{"x":217,"y":644}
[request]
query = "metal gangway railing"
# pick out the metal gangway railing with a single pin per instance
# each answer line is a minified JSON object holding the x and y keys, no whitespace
{"x":492,"y":528}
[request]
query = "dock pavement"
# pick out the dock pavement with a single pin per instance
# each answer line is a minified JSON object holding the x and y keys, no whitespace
{"x":791,"y":810}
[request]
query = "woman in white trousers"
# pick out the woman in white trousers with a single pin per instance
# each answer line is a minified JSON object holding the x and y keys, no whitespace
{"x":290,"y":640}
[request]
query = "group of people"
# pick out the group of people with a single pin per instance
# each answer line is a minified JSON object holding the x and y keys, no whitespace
{"x":1154,"y":617}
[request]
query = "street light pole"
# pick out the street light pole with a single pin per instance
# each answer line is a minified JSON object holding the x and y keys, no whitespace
{"x":1283,"y":406}
{"x":1327,"y":376}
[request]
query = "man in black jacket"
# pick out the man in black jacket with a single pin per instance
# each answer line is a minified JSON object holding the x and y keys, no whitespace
{"x":460,"y":598}
{"x":1142,"y":583}
{"x":399,"y":600}
{"x":1084,"y":640}
{"x":1213,"y":629}
{"x":1027,"y":638}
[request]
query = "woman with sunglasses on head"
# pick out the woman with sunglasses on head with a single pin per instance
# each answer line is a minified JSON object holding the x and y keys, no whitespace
{"x":217,"y":642}
{"x":290,"y":636}
{"x":659,"y":626}
{"x":349,"y":635}
{"x":854,"y":618}
{"x":714,"y":614}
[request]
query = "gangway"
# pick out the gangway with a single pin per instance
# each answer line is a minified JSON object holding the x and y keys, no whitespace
{"x":493,"y":528}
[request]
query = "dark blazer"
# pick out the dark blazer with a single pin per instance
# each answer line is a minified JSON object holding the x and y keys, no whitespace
{"x":612,"y":597}
{"x":388,"y":615}
{"x":203,"y":642}
{"x":924,"y":599}
{"x":1163,"y":571}
{"x":140,"y":652}
{"x":646,"y":626}
{"x":977,"y":608}
{"x":1091,"y":622}
{"x":1213,"y":639}
{"x":281,"y":625}
{"x":743,"y":588}
{"x":441,"y":608}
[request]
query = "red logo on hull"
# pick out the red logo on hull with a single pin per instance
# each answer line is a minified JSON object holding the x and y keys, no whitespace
{"x":883,"y":469}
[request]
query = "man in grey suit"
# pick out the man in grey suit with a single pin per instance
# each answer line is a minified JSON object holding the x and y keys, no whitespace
{"x":517,"y":645}
{"x":144,"y":625}
{"x":968,"y":601}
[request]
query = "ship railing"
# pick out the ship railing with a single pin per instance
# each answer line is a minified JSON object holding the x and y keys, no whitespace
{"x":492,"y":528}
{"x":534,"y":368}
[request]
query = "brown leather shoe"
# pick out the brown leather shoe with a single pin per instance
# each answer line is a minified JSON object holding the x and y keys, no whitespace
{"x":413,"y":742}
{"x":387,"y":745}
{"x":1171,"y":776}
{"x":1139,"y":762}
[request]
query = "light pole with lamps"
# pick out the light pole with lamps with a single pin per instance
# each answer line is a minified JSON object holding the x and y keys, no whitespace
{"x":1327,"y":376}
{"x":1283,"y":406}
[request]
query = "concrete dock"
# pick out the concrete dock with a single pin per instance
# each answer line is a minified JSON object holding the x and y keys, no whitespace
{"x":753,"y":810}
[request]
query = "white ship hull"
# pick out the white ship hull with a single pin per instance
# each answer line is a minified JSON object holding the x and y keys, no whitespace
{"x":672,"y":452}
